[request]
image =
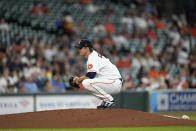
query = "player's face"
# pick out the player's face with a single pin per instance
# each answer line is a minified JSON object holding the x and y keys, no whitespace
{"x":82,"y":51}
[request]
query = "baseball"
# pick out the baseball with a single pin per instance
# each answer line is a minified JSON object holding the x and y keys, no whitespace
{"x":185,"y":117}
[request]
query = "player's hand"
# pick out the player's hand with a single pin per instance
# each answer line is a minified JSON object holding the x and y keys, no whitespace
{"x":77,"y":81}
{"x":73,"y":81}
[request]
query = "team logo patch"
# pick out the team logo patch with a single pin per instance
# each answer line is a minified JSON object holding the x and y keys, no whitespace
{"x":90,"y":66}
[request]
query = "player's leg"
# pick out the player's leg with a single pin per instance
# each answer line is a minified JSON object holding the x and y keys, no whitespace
{"x":103,"y":88}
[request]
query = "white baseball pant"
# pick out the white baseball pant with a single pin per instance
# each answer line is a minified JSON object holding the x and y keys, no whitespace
{"x":102,"y":88}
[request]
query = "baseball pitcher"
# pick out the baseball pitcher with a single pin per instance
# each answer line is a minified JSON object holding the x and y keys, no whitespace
{"x":102,"y":78}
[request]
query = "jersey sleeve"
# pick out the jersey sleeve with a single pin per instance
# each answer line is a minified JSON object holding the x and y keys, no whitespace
{"x":92,"y":65}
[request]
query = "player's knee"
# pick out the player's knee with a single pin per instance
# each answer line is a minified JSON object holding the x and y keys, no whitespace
{"x":86,"y":83}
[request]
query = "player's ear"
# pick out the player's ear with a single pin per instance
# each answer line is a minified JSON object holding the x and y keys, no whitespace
{"x":90,"y":49}
{"x":87,"y":48}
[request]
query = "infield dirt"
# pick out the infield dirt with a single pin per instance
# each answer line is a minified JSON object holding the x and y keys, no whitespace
{"x":89,"y":118}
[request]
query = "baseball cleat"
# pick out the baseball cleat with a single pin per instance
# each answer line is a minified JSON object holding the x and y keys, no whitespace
{"x":106,"y":105}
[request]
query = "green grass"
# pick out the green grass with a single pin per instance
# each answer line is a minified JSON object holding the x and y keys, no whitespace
{"x":183,"y":128}
{"x":193,"y":118}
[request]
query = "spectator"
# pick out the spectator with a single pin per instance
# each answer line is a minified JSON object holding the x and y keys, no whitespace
{"x":3,"y":25}
{"x":49,"y":52}
{"x":39,"y":9}
{"x":140,"y":22}
{"x":182,"y":55}
{"x":83,"y":2}
{"x":193,"y":30}
{"x":128,"y":84}
{"x":109,"y":28}
{"x":30,"y":85}
{"x":160,"y":24}
{"x":174,"y":35}
{"x":36,"y":9}
{"x":183,"y":84}
{"x":153,"y":73}
{"x":91,"y":7}
{"x":133,"y":42}
{"x":44,"y":9}
{"x":151,"y":35}
{"x":13,"y":82}
{"x":66,"y":25}
{"x":148,"y":48}
{"x":136,"y":62}
{"x":57,"y":84}
{"x":49,"y":88}
{"x":127,"y":19}
{"x":120,"y":41}
{"x":123,"y":63}
{"x":4,"y":81}
{"x":99,"y":29}
{"x":193,"y":80}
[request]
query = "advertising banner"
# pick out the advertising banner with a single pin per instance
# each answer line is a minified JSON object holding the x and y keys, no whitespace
{"x":161,"y":101}
{"x":65,"y":102}
{"x":16,"y":104}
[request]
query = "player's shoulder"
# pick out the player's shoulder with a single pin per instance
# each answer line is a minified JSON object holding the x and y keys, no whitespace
{"x":93,"y":54}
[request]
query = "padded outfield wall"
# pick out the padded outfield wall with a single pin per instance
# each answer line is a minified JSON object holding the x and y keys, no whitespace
{"x":155,"y":101}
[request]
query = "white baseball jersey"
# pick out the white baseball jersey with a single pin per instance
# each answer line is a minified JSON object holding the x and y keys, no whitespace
{"x":107,"y":80}
{"x":102,"y":66}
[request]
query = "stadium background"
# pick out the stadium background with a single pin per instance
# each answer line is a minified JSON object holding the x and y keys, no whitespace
{"x":152,"y":42}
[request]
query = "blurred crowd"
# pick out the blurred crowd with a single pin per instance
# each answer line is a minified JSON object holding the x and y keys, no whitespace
{"x":35,"y":65}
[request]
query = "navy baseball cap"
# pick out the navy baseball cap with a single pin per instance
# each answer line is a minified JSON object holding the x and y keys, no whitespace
{"x":84,"y":43}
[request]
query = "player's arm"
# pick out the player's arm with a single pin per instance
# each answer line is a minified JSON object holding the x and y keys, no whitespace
{"x":89,"y":75}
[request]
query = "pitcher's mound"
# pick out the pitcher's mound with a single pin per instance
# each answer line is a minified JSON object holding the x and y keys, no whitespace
{"x":89,"y":118}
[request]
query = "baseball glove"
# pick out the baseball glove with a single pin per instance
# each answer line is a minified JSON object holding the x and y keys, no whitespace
{"x":71,"y":79}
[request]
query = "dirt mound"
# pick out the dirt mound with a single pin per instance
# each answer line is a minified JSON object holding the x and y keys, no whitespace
{"x":89,"y":118}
